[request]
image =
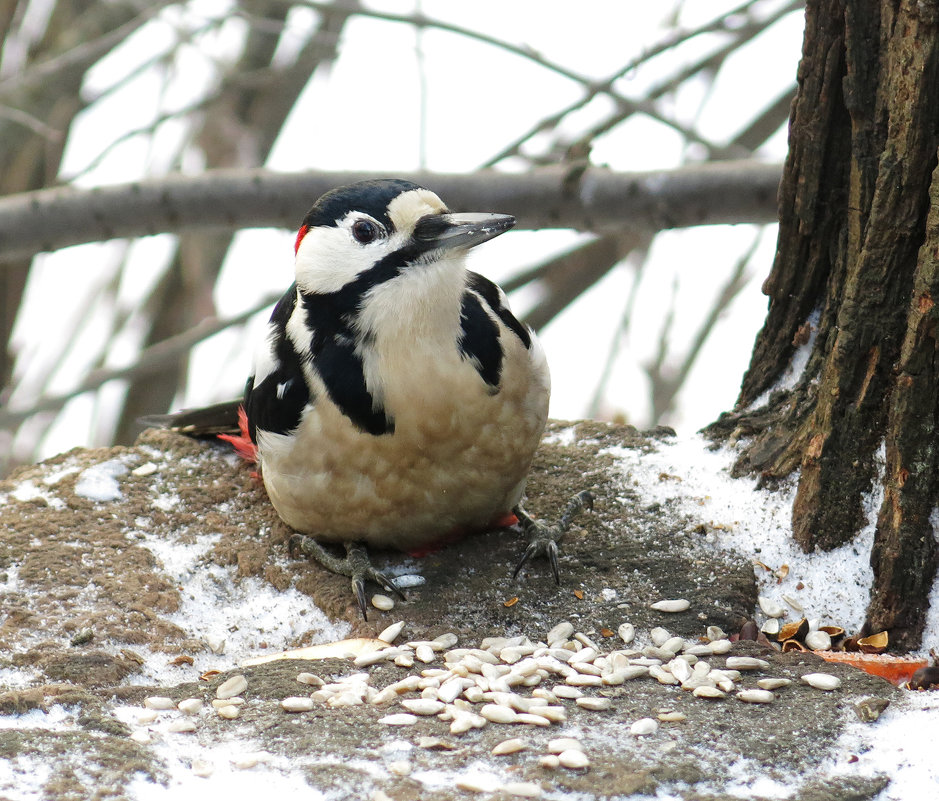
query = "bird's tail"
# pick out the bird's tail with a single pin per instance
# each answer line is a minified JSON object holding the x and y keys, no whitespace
{"x":226,"y":420}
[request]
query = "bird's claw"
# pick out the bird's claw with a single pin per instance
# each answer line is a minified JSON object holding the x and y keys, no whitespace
{"x":355,"y":566}
{"x":543,"y":540}
{"x":541,"y":543}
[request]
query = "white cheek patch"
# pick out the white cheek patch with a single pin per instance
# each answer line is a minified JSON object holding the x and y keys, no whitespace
{"x":327,"y":260}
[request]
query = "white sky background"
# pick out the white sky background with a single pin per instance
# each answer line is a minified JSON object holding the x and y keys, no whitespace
{"x":365,"y":113}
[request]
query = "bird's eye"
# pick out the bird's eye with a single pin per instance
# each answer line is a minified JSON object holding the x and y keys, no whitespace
{"x":364,"y":231}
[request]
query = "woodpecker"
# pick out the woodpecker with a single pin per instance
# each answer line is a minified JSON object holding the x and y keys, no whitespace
{"x":395,"y":399}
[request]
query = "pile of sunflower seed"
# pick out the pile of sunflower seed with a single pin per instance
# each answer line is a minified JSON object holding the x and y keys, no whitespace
{"x":478,"y":686}
{"x":470,"y":688}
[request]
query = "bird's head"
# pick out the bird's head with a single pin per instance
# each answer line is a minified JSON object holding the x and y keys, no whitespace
{"x":367,"y":233}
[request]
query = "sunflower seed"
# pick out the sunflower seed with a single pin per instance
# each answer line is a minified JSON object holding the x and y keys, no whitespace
{"x":390,"y":634}
{"x":296,"y":703}
{"x":190,"y":706}
{"x":818,"y":641}
{"x":509,"y":747}
{"x":181,"y":726}
{"x":423,"y":706}
{"x":672,"y":605}
{"x":714,"y":633}
{"x":671,"y":717}
{"x":821,"y":681}
{"x":644,"y":726}
{"x":374,"y":657}
{"x":310,"y":678}
{"x":555,"y":714}
{"x":573,"y":758}
{"x":560,"y":633}
{"x":464,"y":721}
{"x":399,"y":719}
{"x":594,"y":704}
{"x":746,"y":663}
{"x":756,"y":696}
{"x":627,"y":632}
{"x":498,"y":714}
{"x":229,"y":711}
{"x":559,"y":744}
{"x":706,"y":691}
{"x":770,"y":607}
{"x":235,"y":685}
{"x":160,"y":702}
{"x":773,"y":684}
{"x":382,"y":602}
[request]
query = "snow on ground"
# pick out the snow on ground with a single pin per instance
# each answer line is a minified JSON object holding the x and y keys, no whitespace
{"x":832,"y":587}
{"x":684,"y":475}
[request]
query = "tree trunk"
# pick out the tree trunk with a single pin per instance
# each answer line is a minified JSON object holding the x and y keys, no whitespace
{"x":852,"y":252}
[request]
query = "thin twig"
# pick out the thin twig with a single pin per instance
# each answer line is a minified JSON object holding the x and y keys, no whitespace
{"x":82,"y":54}
{"x":150,"y":359}
{"x":606,"y":86}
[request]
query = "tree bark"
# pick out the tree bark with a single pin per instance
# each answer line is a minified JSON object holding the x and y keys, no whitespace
{"x":853,"y":205}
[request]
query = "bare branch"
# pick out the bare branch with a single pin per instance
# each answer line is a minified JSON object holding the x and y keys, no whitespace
{"x":150,"y":359}
{"x":597,"y":200}
{"x":80,"y":56}
{"x":606,"y":86}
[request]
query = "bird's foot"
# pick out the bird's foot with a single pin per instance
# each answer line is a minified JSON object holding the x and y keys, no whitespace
{"x":355,"y":565}
{"x":543,"y":539}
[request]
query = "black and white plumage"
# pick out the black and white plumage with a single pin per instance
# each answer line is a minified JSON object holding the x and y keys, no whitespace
{"x":395,"y":399}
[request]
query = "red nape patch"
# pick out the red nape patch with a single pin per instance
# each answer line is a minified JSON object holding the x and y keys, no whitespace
{"x":502,"y":521}
{"x":300,"y":234}
{"x":242,"y":443}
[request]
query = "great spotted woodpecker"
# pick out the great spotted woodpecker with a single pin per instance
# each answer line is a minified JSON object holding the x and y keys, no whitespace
{"x":395,"y":398}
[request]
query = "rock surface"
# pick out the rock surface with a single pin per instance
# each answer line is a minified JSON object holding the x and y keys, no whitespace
{"x":158,"y":570}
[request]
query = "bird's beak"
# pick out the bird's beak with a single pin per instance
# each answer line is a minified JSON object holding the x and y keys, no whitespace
{"x":449,"y":231}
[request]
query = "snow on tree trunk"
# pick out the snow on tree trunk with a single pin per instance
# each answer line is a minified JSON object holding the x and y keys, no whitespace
{"x":857,"y":262}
